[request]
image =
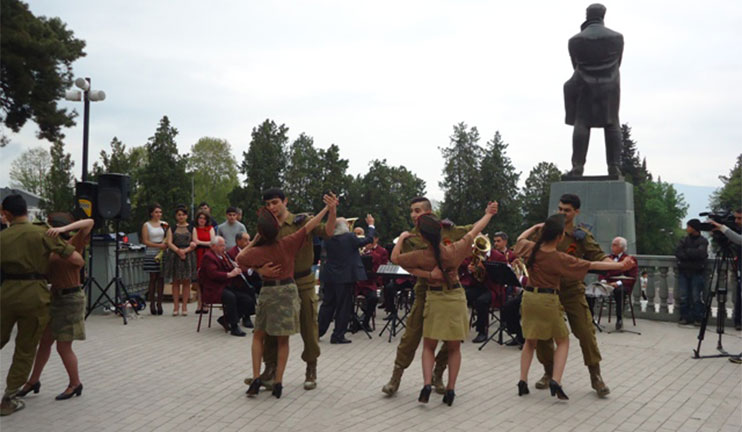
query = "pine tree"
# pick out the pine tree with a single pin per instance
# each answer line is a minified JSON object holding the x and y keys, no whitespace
{"x":498,"y":181}
{"x":60,"y":192}
{"x":729,"y":196}
{"x":534,"y":198}
{"x":462,"y":200}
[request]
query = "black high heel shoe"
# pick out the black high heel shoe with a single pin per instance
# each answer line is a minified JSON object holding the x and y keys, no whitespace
{"x":448,"y":397}
{"x":556,"y":390}
{"x":159,"y":309}
{"x":35,"y":388}
{"x":425,"y":394}
{"x":254,"y":387}
{"x":77,"y":391}
{"x":277,"y":389}
{"x":522,"y":388}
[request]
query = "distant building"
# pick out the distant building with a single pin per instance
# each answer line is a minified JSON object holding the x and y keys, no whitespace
{"x":32,"y":201}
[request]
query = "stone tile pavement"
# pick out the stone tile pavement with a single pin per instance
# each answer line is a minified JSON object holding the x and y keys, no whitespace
{"x":158,"y":374}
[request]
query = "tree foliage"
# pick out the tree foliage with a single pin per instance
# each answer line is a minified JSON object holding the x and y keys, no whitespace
{"x":30,"y":170}
{"x":633,"y":168}
{"x":498,"y":181}
{"x":163,"y":177}
{"x":60,"y":192}
{"x":729,"y":196}
{"x":35,"y":69}
{"x":214,"y":171}
{"x":660,"y":210}
{"x":462,"y":200}
{"x":534,"y":198}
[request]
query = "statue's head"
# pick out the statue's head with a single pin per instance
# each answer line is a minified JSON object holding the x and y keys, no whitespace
{"x":595,"y":11}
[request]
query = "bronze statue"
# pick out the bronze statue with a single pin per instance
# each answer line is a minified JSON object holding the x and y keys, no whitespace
{"x":592,"y":94}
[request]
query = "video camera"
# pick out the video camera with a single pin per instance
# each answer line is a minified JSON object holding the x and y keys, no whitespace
{"x":723,"y":218}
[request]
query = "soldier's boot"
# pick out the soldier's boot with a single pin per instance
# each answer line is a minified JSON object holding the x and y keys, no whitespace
{"x":10,"y":404}
{"x":543,"y":383}
{"x":440,"y":388}
{"x":266,"y":378}
{"x":393,"y":385}
{"x":597,"y":381}
{"x":310,"y":378}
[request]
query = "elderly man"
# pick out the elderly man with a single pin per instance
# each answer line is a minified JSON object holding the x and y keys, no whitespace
{"x":243,"y":287}
{"x":621,"y":287}
{"x":214,"y":277}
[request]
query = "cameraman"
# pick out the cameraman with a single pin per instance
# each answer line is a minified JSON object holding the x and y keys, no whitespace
{"x":691,"y":253}
{"x":736,"y":239}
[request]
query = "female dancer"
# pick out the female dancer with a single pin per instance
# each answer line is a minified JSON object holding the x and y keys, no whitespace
{"x":180,"y":259}
{"x":541,"y":310}
{"x":202,"y":236}
{"x":153,"y":236}
{"x":67,"y":308}
{"x":445,"y":303}
{"x":278,"y":303}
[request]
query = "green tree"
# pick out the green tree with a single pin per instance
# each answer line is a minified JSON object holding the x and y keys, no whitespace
{"x":35,"y":69}
{"x":462,"y":200}
{"x":163,"y":177}
{"x":659,"y":213}
{"x":729,"y":196}
{"x":60,"y":193}
{"x":534,"y":198}
{"x":214,"y":172}
{"x":30,"y":170}
{"x":385,"y":192}
{"x":302,"y":183}
{"x":332,"y":174}
{"x":498,"y":181}
{"x":263,"y":166}
{"x":632,"y":167}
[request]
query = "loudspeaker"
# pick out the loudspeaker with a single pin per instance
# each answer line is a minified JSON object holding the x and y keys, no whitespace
{"x":86,"y":197}
{"x":113,"y":196}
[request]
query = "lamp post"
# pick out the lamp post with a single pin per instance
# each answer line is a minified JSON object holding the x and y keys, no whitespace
{"x":87,"y":95}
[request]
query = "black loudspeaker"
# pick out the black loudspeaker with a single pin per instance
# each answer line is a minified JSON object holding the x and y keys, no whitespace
{"x":113,"y":196}
{"x":86,"y":198}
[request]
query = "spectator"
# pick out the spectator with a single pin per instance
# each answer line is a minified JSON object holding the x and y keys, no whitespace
{"x":202,"y":236}
{"x":231,"y":228}
{"x":213,"y":277}
{"x":736,"y":239}
{"x":153,"y":236}
{"x":204,"y":207}
{"x":242,"y":289}
{"x":643,"y":282}
{"x":621,"y":287}
{"x":180,"y":259}
{"x":692,"y":252}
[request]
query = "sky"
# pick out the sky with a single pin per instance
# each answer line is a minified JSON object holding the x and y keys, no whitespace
{"x":389,"y":79}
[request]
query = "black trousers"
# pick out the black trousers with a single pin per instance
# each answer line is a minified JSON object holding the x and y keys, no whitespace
{"x":337,"y":303}
{"x":372,"y":299}
{"x":511,"y":316}
{"x":390,"y":291}
{"x":618,"y":297}
{"x":479,"y":298}
{"x":237,"y":303}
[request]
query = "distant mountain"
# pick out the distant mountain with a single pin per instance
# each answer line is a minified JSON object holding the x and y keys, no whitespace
{"x":697,"y":198}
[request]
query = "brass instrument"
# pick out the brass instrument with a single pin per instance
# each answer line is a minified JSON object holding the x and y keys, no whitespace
{"x":479,"y":251}
{"x":519,"y":268}
{"x":351,"y":222}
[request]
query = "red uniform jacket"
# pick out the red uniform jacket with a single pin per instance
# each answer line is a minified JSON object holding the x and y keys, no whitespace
{"x":628,"y":284}
{"x":212,"y":277}
{"x":498,"y":291}
{"x":379,"y":256}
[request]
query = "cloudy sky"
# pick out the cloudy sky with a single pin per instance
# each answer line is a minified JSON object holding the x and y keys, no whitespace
{"x":389,"y":79}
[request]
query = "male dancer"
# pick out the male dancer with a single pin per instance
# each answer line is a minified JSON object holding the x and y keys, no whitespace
{"x":414,"y":330}
{"x":578,"y":242}
{"x":276,"y":202}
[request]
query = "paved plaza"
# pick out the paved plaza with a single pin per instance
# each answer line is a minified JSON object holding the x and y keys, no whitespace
{"x":158,"y":374}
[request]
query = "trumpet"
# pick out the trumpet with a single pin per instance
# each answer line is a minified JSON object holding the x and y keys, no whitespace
{"x":519,"y":268}
{"x":479,"y":250}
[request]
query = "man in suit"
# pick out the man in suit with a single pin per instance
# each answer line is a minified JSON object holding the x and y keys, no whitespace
{"x":340,"y":271}
{"x":592,"y":94}
{"x":213,"y":277}
{"x":242,"y":288}
{"x":621,"y":287}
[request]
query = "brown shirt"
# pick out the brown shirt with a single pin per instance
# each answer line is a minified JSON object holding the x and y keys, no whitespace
{"x":282,"y":252}
{"x":550,"y":267}
{"x":62,"y":274}
{"x":451,"y":257}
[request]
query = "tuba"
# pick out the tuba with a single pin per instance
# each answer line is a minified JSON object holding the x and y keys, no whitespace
{"x":479,"y":250}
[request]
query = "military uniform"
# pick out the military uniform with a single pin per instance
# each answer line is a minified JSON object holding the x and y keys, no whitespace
{"x":413,"y":332}
{"x":305,"y":281}
{"x":579,"y":243}
{"x":24,"y":297}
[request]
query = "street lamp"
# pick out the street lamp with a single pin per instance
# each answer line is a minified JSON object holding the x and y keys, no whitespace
{"x":88,"y":95}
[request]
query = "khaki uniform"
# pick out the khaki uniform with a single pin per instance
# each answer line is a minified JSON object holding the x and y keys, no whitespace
{"x":24,"y":251}
{"x":414,"y":330}
{"x":572,"y":297}
{"x":307,"y":295}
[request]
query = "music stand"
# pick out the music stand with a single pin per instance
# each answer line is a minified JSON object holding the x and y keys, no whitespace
{"x":391,"y":271}
{"x":501,"y":274}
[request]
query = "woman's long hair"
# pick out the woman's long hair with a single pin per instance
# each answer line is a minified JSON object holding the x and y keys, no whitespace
{"x":430,"y":230}
{"x":553,"y":228}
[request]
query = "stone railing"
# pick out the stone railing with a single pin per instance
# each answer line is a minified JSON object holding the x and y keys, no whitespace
{"x":662,"y":289}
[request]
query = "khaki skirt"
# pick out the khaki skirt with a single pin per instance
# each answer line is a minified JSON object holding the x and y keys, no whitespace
{"x":67,"y":316}
{"x":277,"y":311}
{"x":542,"y":316}
{"x":445,"y":316}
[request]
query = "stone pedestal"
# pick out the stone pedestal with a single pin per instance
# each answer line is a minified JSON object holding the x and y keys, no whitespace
{"x":606,"y":205}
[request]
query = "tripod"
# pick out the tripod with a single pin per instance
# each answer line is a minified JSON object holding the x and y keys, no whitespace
{"x":722,"y":264}
{"x":116,"y":282}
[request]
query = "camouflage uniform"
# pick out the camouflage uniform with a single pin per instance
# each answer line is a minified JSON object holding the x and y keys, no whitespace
{"x":281,"y":303}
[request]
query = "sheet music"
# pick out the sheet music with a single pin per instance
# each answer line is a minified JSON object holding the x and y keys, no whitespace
{"x":392,"y":270}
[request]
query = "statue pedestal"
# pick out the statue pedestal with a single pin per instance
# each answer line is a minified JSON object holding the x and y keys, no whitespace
{"x":606,"y":205}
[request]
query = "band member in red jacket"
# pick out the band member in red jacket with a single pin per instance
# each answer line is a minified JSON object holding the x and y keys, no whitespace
{"x":622,"y":287}
{"x":379,"y":256}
